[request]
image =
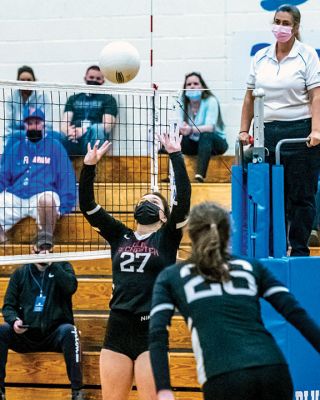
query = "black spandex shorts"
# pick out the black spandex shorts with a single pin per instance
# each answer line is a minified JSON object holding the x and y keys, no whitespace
{"x":269,"y":382}
{"x":127,"y":333}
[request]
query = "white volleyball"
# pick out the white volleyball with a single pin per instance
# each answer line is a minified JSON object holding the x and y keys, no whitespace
{"x":119,"y":62}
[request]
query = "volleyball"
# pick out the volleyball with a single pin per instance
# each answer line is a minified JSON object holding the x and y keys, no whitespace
{"x":119,"y":62}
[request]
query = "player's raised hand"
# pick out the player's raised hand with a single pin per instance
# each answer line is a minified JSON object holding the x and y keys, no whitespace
{"x":95,"y":153}
{"x":171,"y":141}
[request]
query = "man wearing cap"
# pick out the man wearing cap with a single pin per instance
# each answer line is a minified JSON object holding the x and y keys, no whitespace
{"x":36,"y":178}
{"x":38,"y":315}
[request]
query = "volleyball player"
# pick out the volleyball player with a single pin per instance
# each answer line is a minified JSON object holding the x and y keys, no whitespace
{"x":218,"y":296}
{"x":137,"y":258}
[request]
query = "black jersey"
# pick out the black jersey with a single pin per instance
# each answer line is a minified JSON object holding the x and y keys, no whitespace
{"x":226,"y":327}
{"x":137,"y":260}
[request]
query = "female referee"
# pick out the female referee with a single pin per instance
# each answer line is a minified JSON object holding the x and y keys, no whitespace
{"x":236,"y":356}
{"x":137,"y":258}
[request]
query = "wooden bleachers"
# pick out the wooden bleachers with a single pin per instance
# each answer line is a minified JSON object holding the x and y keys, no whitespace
{"x":74,"y":228}
{"x":36,"y":371}
{"x":137,"y":169}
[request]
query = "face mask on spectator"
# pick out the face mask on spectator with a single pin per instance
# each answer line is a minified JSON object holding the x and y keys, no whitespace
{"x":34,"y":135}
{"x":193,"y":94}
{"x":90,"y":82}
{"x":282,"y":33}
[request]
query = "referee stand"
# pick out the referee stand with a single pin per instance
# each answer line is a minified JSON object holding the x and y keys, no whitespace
{"x":259,"y":231}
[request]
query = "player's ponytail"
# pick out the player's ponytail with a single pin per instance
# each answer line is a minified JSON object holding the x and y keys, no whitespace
{"x":209,"y":229}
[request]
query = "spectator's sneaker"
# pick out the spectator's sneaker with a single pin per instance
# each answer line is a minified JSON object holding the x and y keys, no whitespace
{"x":314,"y":240}
{"x":77,"y":395}
{"x":199,"y":178}
{"x":2,"y":395}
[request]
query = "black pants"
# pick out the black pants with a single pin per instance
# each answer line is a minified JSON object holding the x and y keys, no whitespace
{"x":64,"y":339}
{"x":210,"y":143}
{"x":262,"y":383}
{"x":301,"y":169}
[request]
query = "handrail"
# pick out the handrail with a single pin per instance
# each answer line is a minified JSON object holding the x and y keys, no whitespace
{"x":284,"y":141}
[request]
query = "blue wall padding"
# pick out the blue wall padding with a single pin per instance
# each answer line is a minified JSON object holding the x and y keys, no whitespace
{"x":278,"y":213}
{"x":258,"y":210}
{"x":302,"y":277}
{"x":239,"y":207}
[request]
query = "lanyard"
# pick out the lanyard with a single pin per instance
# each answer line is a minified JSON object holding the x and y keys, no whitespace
{"x":38,"y":284}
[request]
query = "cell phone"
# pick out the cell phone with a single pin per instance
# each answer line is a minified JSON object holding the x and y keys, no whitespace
{"x":24,"y":326}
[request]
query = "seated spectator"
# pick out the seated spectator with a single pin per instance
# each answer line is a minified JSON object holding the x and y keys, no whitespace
{"x":202,"y":126}
{"x":19,"y":100}
{"x":38,"y":316}
{"x":36,"y":178}
{"x":88,"y":116}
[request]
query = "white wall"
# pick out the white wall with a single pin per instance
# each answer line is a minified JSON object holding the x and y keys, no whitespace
{"x":60,"y":38}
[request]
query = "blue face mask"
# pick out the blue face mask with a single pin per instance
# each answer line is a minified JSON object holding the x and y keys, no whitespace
{"x":193,"y":94}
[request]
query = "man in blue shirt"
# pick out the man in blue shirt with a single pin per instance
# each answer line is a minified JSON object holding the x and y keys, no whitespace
{"x":37,"y":179}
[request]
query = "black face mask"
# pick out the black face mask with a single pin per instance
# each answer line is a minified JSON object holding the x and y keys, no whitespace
{"x":88,"y":82}
{"x":147,"y":213}
{"x":34,"y":135}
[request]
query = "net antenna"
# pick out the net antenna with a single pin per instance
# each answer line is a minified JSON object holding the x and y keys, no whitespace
{"x":130,"y":170}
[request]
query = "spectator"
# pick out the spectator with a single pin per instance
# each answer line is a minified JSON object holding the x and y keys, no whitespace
{"x":38,"y":315}
{"x":36,"y":178}
{"x":289,"y":73}
{"x":19,"y":100}
{"x":88,"y":116}
{"x":218,"y":296}
{"x":202,"y":125}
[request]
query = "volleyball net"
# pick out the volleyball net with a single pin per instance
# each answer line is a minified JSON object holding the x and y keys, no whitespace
{"x":29,"y":166}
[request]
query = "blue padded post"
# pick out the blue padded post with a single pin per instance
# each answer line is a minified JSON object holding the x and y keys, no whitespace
{"x":258,"y":210}
{"x":239,"y":208}
{"x":278,"y":214}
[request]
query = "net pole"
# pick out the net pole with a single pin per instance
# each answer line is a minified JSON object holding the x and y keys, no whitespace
{"x":151,"y":44}
{"x":154,"y":143}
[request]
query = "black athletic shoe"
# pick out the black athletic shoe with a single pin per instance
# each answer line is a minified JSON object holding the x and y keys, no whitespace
{"x":314,"y":240}
{"x":2,"y":395}
{"x":199,"y":178}
{"x":77,"y":395}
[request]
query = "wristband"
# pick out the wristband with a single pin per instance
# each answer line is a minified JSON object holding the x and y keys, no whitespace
{"x":244,"y":131}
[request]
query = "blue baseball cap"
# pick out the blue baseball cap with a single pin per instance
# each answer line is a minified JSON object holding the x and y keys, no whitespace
{"x":32,"y":112}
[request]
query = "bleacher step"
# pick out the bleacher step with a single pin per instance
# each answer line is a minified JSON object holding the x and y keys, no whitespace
{"x":44,"y":368}
{"x":92,"y":328}
{"x":127,"y":169}
{"x":36,"y":393}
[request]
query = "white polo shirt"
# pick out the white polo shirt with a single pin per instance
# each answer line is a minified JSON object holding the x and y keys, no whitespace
{"x":286,"y":83}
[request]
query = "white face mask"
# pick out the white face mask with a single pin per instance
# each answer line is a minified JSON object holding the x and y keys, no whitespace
{"x":282,"y":33}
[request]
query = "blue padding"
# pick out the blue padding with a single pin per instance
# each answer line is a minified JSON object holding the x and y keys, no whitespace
{"x":305,"y":285}
{"x":258,"y":210}
{"x":274,"y":322}
{"x":239,"y":217}
{"x":278,"y":215}
{"x":302,"y":277}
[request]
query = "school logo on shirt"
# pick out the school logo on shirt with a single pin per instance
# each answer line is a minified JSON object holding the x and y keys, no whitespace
{"x":41,"y":160}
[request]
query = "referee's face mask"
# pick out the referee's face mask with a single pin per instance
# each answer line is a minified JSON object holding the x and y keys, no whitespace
{"x":147,"y":212}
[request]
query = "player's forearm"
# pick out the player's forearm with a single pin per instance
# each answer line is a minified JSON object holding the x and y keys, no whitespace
{"x":182,"y":181}
{"x":86,"y":192}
